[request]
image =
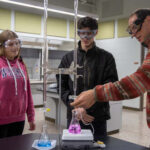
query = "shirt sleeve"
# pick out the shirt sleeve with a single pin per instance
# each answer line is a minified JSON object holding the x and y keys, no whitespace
{"x":127,"y":88}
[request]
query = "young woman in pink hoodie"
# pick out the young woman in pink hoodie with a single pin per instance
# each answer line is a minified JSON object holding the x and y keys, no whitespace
{"x":15,"y":93}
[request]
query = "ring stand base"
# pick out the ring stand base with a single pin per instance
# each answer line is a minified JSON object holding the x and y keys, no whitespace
{"x":82,"y":141}
{"x":85,"y":135}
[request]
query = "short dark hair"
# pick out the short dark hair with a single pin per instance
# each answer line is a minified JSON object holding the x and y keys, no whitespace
{"x":141,"y":13}
{"x":88,"y":22}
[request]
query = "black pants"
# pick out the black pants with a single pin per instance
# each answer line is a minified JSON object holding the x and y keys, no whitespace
{"x":12,"y":129}
{"x":100,"y":129}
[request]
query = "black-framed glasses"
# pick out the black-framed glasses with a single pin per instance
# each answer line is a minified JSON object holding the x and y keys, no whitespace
{"x":135,"y":27}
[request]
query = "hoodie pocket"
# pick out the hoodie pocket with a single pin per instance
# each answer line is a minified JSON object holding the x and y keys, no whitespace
{"x":11,"y":108}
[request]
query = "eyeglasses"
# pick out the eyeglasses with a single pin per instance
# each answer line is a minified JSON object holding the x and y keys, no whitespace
{"x":88,"y":34}
{"x":10,"y":43}
{"x":135,"y":27}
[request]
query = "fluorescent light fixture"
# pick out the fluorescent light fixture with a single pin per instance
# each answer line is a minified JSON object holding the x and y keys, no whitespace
{"x":41,"y":8}
{"x":21,"y":4}
{"x":64,"y":12}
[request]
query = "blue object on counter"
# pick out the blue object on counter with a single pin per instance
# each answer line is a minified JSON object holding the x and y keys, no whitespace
{"x":43,"y":143}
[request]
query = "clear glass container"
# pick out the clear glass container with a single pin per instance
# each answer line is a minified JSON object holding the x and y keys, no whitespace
{"x":44,"y":140}
{"x":74,"y":124}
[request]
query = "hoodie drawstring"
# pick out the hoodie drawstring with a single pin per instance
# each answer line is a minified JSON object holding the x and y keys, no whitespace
{"x":16,"y":89}
{"x":25,"y":84}
{"x":13,"y":76}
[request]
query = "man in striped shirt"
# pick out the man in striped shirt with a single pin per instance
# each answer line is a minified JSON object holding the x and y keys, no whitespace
{"x":130,"y":86}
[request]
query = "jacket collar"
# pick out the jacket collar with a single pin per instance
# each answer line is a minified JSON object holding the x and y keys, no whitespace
{"x":89,"y":51}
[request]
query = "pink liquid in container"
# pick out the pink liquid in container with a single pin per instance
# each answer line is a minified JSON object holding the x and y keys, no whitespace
{"x":74,"y":128}
{"x":74,"y":125}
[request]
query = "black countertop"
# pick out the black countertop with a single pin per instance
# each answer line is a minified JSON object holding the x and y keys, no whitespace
{"x":24,"y":142}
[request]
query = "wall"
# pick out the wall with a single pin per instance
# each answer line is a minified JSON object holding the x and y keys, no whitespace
{"x":126,"y":52}
{"x":31,"y":58}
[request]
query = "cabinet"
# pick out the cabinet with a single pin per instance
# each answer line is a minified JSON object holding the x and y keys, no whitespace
{"x":37,"y":95}
{"x":115,"y":122}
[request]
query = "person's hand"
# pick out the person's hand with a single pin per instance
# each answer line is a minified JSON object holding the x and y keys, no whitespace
{"x":85,"y":100}
{"x":83,"y":116}
{"x":31,"y":126}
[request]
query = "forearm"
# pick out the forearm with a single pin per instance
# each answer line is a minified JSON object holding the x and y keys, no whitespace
{"x":127,"y":88}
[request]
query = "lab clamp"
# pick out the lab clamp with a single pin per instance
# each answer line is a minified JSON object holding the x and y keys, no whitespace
{"x":60,"y":71}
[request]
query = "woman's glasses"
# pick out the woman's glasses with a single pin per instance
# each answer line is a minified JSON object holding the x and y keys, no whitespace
{"x":12,"y":43}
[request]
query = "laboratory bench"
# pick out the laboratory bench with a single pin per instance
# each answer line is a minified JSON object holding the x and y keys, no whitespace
{"x":24,"y":142}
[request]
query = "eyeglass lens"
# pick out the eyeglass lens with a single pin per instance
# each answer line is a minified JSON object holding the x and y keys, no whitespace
{"x":11,"y":43}
{"x":86,"y":34}
{"x":135,"y":27}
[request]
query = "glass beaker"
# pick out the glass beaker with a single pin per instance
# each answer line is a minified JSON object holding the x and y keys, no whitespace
{"x":74,"y":126}
{"x":44,"y":140}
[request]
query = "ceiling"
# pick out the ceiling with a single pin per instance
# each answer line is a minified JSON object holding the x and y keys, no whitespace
{"x":85,"y":7}
{"x":103,"y":9}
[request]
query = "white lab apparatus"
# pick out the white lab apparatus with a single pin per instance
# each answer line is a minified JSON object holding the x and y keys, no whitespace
{"x":75,"y":132}
{"x":84,"y":138}
{"x":79,"y":134}
{"x":44,"y":140}
{"x":84,"y":135}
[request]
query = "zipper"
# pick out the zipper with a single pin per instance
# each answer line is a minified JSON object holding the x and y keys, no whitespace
{"x":86,"y":76}
{"x":84,"y":71}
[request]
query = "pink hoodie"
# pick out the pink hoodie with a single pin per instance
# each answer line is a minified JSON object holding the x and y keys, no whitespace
{"x":15,"y":93}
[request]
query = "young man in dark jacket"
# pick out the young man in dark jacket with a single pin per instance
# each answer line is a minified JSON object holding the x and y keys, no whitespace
{"x":98,"y":67}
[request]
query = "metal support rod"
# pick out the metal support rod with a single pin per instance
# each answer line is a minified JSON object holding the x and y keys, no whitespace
{"x":45,"y":53}
{"x":75,"y":46}
{"x":62,"y":70}
{"x":59,"y":103}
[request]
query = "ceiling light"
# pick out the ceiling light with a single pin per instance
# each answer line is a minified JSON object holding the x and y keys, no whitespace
{"x":39,"y":7}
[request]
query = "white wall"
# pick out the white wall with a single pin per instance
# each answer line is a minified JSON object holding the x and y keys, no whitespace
{"x":126,"y":51}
